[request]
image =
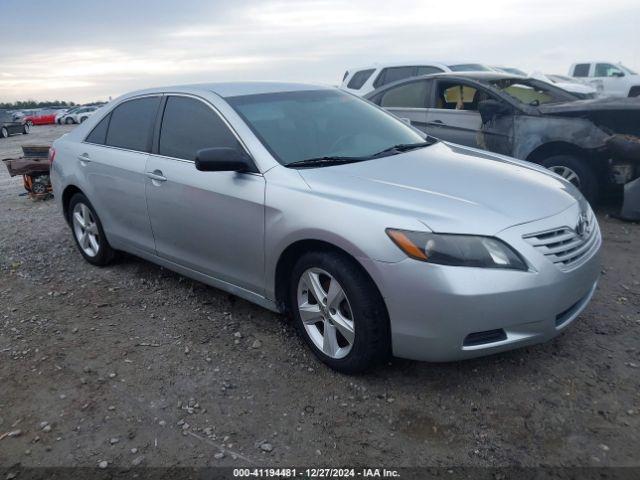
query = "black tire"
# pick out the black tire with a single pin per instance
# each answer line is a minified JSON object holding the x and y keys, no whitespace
{"x":29,"y":123}
{"x":105,"y":254}
{"x":371,"y":345}
{"x":587,"y":181}
{"x":4,"y":133}
{"x":68,"y":121}
{"x":634,"y":92}
{"x":25,"y":129}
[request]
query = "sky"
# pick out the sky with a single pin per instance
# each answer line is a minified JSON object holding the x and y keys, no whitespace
{"x":89,"y":50}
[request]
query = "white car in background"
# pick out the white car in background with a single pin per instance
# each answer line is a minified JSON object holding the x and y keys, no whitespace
{"x":610,"y":79}
{"x":64,"y":112}
{"x":361,"y":81}
{"x":78,"y":115}
{"x":567,"y":83}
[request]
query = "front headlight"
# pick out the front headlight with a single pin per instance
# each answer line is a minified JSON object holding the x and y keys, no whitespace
{"x":457,"y":250}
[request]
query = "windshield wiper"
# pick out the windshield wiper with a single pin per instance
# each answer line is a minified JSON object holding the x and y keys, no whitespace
{"x":337,"y":160}
{"x":404,"y":147}
{"x":323,"y":161}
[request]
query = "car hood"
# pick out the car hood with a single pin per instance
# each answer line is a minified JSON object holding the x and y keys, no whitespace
{"x":449,"y":188}
{"x":575,"y":87}
{"x":614,"y":104}
{"x":614,"y":115}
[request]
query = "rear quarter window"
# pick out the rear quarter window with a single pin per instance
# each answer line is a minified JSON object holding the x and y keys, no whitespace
{"x":99,"y":133}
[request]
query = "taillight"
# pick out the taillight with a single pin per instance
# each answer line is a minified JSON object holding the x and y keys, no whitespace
{"x":52,"y":155}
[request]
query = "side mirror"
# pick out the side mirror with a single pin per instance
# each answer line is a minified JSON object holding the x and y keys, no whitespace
{"x":490,"y":109}
{"x":223,"y":159}
{"x":617,"y":73}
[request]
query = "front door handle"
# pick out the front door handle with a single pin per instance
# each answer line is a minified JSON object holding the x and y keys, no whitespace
{"x":157,"y":176}
{"x":439,"y":122}
{"x":84,"y":158}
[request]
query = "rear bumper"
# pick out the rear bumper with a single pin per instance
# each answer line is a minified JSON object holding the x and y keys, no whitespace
{"x":434,"y":309}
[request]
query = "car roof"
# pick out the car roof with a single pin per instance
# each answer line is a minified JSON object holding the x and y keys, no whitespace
{"x":408,"y":63}
{"x":480,"y":76}
{"x":235,"y":89}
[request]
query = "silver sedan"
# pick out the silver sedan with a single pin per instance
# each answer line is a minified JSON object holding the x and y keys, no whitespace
{"x":376,"y":239}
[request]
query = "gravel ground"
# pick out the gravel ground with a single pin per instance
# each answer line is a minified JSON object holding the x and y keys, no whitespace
{"x":135,"y":365}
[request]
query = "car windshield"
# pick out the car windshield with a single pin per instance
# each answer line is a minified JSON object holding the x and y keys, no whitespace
{"x":532,"y":92}
{"x":314,"y":124}
{"x":469,"y":67}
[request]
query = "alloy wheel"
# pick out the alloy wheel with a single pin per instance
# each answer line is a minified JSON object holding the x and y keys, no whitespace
{"x":567,"y":174}
{"x":85,"y":229}
{"x":326,"y":313}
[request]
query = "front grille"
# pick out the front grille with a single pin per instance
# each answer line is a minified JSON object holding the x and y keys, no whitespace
{"x":564,"y":246}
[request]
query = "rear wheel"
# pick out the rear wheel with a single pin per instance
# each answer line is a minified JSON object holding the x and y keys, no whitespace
{"x":339,"y":311}
{"x":88,"y":232}
{"x":4,"y":133}
{"x":576,"y":171}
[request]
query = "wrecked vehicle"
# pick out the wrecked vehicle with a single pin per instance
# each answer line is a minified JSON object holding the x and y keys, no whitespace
{"x":592,"y":143}
{"x":34,"y":168}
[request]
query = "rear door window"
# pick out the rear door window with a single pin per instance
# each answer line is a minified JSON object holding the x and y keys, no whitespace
{"x":132,"y":123}
{"x":581,"y":70}
{"x":189,"y":125}
{"x":410,"y":95}
{"x":360,"y":78}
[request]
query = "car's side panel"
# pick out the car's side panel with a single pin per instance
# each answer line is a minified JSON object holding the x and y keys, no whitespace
{"x":211,"y":222}
{"x":118,"y":180}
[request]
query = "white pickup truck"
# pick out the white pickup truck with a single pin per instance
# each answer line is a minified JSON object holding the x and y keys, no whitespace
{"x":610,"y":79}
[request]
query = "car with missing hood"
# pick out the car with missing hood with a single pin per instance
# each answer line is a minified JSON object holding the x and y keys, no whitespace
{"x":309,"y":200}
{"x":592,"y":143}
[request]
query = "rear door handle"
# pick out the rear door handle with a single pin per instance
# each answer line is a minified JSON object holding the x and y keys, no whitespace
{"x":157,"y":176}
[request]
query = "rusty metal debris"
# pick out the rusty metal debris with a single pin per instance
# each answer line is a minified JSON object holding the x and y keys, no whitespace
{"x":34,"y":168}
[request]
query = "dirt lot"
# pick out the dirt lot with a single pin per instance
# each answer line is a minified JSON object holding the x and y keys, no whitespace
{"x":133,"y":364}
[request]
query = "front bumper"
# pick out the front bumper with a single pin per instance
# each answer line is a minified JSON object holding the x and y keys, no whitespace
{"x":433,"y":308}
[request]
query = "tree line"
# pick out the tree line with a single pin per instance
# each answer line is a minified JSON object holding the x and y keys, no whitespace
{"x":24,"y":104}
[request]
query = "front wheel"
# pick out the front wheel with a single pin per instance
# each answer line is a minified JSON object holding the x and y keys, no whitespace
{"x":4,"y":133}
{"x":88,"y":232}
{"x":578,"y":172}
{"x":339,"y":312}
{"x":68,"y":121}
{"x":26,"y":128}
